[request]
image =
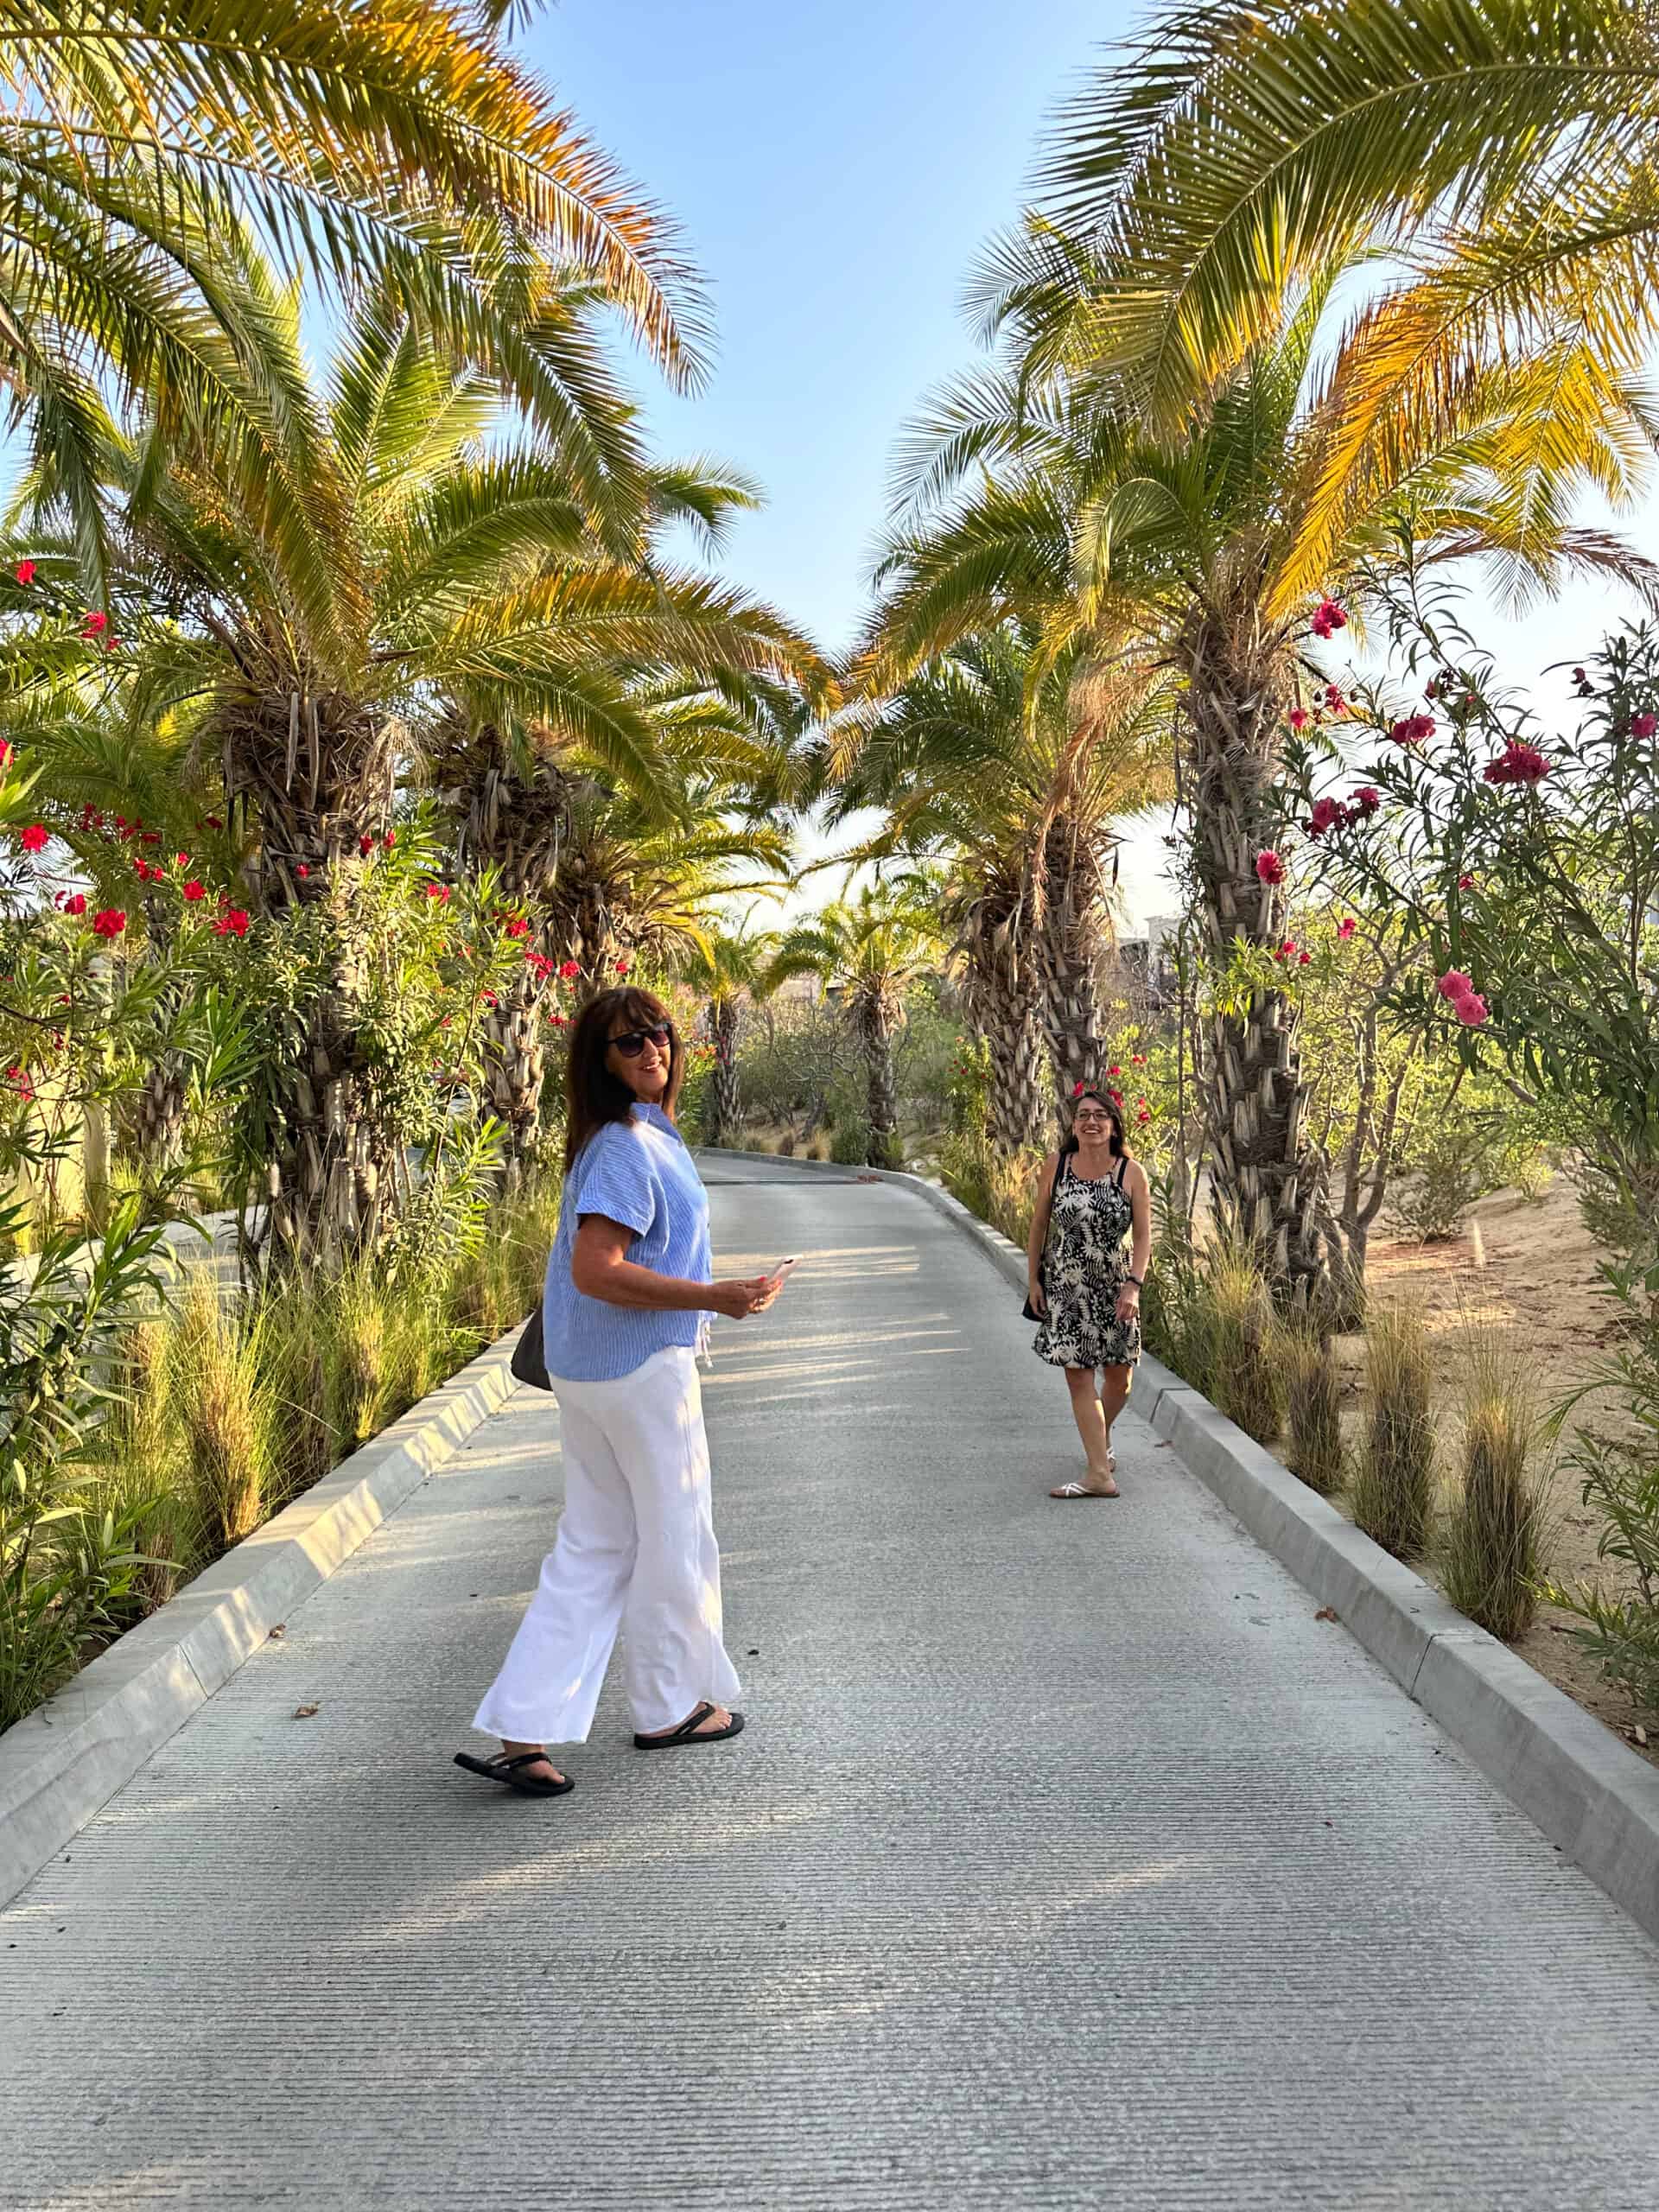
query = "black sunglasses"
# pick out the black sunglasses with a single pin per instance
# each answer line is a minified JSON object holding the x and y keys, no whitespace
{"x":632,"y":1042}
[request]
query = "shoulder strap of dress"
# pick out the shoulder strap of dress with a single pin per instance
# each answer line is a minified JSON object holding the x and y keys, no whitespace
{"x":1123,"y":1170}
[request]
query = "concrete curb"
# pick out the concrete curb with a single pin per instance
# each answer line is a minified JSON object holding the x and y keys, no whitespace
{"x":1589,"y":1793}
{"x":65,"y":1760}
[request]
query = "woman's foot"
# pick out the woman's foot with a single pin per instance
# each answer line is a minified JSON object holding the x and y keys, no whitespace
{"x":540,"y":1770}
{"x":711,"y":1720}
{"x":1095,"y":1486}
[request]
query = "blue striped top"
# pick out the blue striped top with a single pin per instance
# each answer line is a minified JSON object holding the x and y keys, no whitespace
{"x":639,"y":1173}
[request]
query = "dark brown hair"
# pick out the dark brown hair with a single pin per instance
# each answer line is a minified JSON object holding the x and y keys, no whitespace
{"x":593,"y":1095}
{"x":1120,"y":1128}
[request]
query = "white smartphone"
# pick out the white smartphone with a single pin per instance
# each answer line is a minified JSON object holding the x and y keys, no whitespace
{"x":780,"y":1268}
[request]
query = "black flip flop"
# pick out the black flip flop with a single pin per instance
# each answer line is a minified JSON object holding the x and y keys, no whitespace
{"x":506,"y":1769}
{"x":686,"y":1732}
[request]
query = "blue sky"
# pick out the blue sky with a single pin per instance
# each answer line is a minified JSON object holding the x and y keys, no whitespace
{"x":835,"y":165}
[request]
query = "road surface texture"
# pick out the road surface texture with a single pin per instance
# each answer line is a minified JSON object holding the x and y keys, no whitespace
{"x":1068,"y":1860}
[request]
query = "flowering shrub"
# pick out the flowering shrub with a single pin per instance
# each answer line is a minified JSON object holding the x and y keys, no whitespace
{"x":1524,"y":868}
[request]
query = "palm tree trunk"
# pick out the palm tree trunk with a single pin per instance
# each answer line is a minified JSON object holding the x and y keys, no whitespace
{"x":1267,"y":1179}
{"x":1018,"y":1105}
{"x":879,"y":1028}
{"x":1071,"y":939}
{"x":158,"y":1118}
{"x":725,"y":1019}
{"x":515,"y":1062}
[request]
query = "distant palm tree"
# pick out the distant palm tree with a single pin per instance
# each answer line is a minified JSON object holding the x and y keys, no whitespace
{"x":869,"y":949}
{"x":1012,"y":774}
{"x":731,"y":969}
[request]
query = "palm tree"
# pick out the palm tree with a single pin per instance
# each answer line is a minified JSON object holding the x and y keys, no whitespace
{"x":869,"y":951}
{"x":1012,"y":773}
{"x":731,"y":969}
{"x":403,"y":146}
{"x":1138,"y":555}
{"x":314,"y":633}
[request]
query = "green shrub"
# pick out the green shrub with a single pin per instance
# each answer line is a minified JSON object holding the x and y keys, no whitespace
{"x":1247,"y":1376}
{"x":1394,"y":1486}
{"x":1449,"y":1166}
{"x":1490,"y":1551}
{"x":215,"y":1384}
{"x":1000,"y":1188}
{"x":1312,"y":1405}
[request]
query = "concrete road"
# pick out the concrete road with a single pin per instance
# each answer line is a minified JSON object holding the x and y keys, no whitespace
{"x":1068,"y":1860}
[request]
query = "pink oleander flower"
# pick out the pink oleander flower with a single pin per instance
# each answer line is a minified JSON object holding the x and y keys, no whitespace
{"x":1077,"y":1090}
{"x":1334,"y":700}
{"x":25,"y":572}
{"x":621,"y":967}
{"x":1413,"y":729}
{"x":1470,"y":1010}
{"x":390,"y":839}
{"x":302,"y":871}
{"x":110,"y":922}
{"x":77,"y":905}
{"x":1466,"y":883}
{"x":1300,"y":718}
{"x":1145,"y":1114}
{"x":439,"y":892}
{"x":233,"y":922}
{"x":1345,"y":927}
{"x":1328,"y":813}
{"x":195,"y":891}
{"x":1137,"y":1059}
{"x":1328,"y":618}
{"x":517,"y":929}
{"x":1454,"y":984}
{"x":570,"y":971}
{"x":1644,"y":726}
{"x":1517,"y":763}
{"x":364,"y":846}
{"x":1285,"y":949}
{"x":94,"y":623}
{"x":35,"y":838}
{"x":1303,"y":959}
{"x":1270,"y":868}
{"x":1367,"y":800}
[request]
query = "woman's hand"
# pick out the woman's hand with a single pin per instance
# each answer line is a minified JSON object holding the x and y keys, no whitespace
{"x":1128,"y":1303}
{"x":739,"y":1296}
{"x":1038,"y":1301}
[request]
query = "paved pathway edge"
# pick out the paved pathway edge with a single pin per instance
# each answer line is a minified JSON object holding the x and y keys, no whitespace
{"x":64,"y":1762}
{"x":1589,"y":1793}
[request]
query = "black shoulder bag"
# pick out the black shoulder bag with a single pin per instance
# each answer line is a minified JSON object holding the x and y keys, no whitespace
{"x":529,"y":1361}
{"x":1061,"y":1167}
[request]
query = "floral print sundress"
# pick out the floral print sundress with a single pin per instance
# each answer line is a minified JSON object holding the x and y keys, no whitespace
{"x":1084,"y":1267}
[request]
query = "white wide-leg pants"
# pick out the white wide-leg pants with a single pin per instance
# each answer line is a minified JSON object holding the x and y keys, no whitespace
{"x":635,"y":1551}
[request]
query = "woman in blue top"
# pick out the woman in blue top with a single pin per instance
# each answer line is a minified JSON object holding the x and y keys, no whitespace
{"x":626,"y":1305}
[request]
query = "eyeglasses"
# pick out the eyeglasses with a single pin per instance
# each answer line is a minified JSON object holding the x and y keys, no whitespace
{"x":632,"y":1042}
{"x":1090,"y":1121}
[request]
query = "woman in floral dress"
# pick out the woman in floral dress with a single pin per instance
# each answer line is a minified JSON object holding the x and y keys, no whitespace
{"x":1084,"y":1285}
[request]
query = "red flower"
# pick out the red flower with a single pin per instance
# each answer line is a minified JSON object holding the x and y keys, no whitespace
{"x":621,"y":967}
{"x":25,"y":572}
{"x":1334,"y":700}
{"x":560,"y":1021}
{"x":365,"y":845}
{"x":1285,"y":949}
{"x":391,"y":839}
{"x":1466,"y":883}
{"x":213,"y":822}
{"x":489,"y":998}
{"x":1413,"y":730}
{"x":1454,"y":984}
{"x":35,"y":839}
{"x":1517,"y":763}
{"x":440,"y":891}
{"x":1114,"y":1070}
{"x":302,"y":871}
{"x":1137,"y":1059}
{"x":1304,"y":958}
{"x":1144,"y":1114}
{"x":1077,"y":1090}
{"x":569,"y":971}
{"x":1644,"y":726}
{"x":1328,"y":813}
{"x":110,"y":922}
{"x":1270,"y":868}
{"x":1300,"y":718}
{"x":77,"y":905}
{"x":1367,"y":798}
{"x":5,"y":753}
{"x":233,"y":922}
{"x":1470,"y":1010}
{"x":193,"y":891}
{"x":1328,"y":618}
{"x":517,"y":929}
{"x":1346,"y":926}
{"x":141,"y":869}
{"x":94,"y":625}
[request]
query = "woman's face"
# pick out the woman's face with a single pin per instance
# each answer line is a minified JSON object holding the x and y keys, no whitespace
{"x":641,"y":1055}
{"x":1091,"y":1123}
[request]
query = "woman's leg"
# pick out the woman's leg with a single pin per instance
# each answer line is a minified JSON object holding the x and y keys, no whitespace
{"x":1114,"y":1396}
{"x":549,"y":1682}
{"x":673,"y":1658}
{"x":1092,"y":1426}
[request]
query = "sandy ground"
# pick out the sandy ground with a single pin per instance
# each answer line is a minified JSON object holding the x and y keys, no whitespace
{"x":1528,"y":1278}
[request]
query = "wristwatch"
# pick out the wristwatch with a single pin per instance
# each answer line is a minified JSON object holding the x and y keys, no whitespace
{"x":1139,"y":1281}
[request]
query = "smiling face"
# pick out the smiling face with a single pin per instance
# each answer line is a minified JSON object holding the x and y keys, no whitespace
{"x":640,"y":1054}
{"x":1094,"y":1122}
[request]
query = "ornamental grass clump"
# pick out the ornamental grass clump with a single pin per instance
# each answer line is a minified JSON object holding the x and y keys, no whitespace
{"x":222,"y":1416}
{"x":1315,"y":1451}
{"x":1247,"y":1376}
{"x":1490,"y":1552}
{"x":1394,"y":1485}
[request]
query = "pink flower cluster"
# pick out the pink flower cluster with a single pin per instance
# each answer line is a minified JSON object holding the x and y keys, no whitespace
{"x":1328,"y":618}
{"x":1644,"y":726}
{"x":1465,"y":1001}
{"x":1413,"y":729}
{"x":1517,"y":763}
{"x":1270,"y":868}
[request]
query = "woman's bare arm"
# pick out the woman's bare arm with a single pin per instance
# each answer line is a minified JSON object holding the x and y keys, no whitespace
{"x":1038,"y":1236}
{"x":599,"y":1268}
